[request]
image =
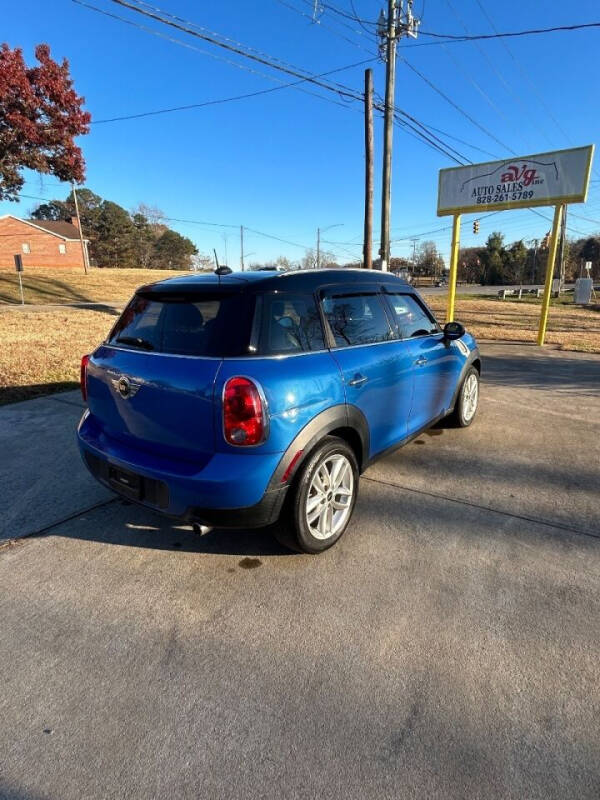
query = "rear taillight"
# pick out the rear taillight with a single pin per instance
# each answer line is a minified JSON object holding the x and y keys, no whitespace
{"x":244,"y":413}
{"x":83,"y":377}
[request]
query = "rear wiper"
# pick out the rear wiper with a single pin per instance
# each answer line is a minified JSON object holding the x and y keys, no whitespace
{"x":137,"y":341}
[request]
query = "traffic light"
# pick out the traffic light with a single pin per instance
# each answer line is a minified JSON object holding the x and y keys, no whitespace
{"x":476,"y":226}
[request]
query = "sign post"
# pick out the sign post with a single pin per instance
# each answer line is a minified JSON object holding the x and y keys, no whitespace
{"x":453,"y":267}
{"x":19,"y":269}
{"x":552,"y":250}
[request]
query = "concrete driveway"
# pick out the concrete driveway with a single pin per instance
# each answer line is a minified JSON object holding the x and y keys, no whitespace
{"x":447,"y":647}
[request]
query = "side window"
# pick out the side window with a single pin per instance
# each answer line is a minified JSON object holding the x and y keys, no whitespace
{"x":411,"y":317}
{"x":290,"y":324}
{"x":26,"y":247}
{"x":62,"y":248}
{"x":356,"y":319}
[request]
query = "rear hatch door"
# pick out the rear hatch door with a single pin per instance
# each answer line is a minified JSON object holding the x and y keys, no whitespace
{"x":151,"y":385}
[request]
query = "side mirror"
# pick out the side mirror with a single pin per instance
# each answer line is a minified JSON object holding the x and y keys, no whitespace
{"x":453,"y":330}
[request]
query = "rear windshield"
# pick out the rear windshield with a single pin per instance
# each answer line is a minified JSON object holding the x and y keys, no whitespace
{"x":216,"y":325}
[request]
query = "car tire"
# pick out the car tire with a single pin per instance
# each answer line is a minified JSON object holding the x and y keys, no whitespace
{"x":467,"y":401}
{"x":321,"y":500}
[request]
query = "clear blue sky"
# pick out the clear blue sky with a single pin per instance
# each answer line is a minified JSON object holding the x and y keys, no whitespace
{"x":287,"y":162}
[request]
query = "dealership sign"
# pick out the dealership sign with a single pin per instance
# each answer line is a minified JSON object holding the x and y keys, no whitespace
{"x":546,"y":179}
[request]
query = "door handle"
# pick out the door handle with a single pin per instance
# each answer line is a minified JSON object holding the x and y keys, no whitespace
{"x":358,"y":380}
{"x":420,"y":361}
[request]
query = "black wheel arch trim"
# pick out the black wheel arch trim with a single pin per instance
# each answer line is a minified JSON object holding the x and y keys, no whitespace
{"x":339,"y":416}
{"x":473,"y":356}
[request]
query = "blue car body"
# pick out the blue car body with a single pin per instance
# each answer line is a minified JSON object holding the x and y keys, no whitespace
{"x":153,"y":430}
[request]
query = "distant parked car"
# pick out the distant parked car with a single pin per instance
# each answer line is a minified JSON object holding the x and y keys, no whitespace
{"x":254,"y":399}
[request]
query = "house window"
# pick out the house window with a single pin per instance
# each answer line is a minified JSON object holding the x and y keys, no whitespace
{"x":62,"y":248}
{"x":26,"y":247}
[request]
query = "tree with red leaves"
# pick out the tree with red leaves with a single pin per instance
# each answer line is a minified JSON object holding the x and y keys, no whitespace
{"x":40,"y":115}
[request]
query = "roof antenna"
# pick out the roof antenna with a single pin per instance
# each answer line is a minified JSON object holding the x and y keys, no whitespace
{"x":221,"y":270}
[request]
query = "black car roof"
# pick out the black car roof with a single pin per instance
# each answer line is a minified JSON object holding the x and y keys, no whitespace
{"x":293,"y":280}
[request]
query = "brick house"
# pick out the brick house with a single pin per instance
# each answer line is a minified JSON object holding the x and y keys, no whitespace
{"x":41,"y":243}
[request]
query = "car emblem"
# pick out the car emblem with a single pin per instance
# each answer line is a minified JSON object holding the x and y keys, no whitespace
{"x":125,"y":387}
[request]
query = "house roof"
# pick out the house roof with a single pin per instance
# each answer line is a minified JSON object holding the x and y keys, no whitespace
{"x":66,"y":230}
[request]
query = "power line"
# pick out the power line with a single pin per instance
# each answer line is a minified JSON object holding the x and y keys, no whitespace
{"x":452,"y":37}
{"x":509,"y":89}
{"x":523,"y":71}
{"x":302,"y":75}
{"x":190,"y":46}
{"x":456,"y":106}
{"x":461,"y":141}
{"x":467,"y":75}
{"x":511,"y":34}
{"x":237,"y":48}
{"x":276,"y":238}
{"x":442,"y":147}
{"x":203,"y":30}
{"x":226,"y":99}
{"x":428,"y":138}
{"x":320,"y":24}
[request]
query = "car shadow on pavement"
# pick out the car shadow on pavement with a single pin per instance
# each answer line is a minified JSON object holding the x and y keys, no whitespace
{"x":16,"y":394}
{"x":11,"y":793}
{"x":125,"y":524}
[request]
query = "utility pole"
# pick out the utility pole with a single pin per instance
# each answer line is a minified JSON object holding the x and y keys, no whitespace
{"x":242,"y":247}
{"x":368,"y":235}
{"x":388,"y":132}
{"x":534,"y":266}
{"x":83,"y":247}
{"x":318,"y":262}
{"x":391,"y":27}
{"x":319,"y":232}
{"x":414,"y":258}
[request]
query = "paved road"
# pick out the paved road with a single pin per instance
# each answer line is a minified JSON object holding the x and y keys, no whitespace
{"x":476,"y":289}
{"x":448,"y":647}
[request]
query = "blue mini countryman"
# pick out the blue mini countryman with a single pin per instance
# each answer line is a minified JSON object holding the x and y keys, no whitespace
{"x":257,"y":398}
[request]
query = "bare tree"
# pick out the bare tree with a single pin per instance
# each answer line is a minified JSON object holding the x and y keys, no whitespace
{"x":202,"y":263}
{"x":326,"y":259}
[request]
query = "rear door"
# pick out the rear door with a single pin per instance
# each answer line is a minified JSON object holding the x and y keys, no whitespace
{"x":376,"y":367}
{"x":436,"y":363}
{"x":151,"y":384}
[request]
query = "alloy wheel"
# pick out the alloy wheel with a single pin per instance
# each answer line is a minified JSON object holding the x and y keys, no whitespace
{"x":470,"y":397}
{"x":330,"y":496}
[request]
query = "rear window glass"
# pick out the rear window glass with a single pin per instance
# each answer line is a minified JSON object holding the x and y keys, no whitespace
{"x":215,"y":325}
{"x":290,"y":324}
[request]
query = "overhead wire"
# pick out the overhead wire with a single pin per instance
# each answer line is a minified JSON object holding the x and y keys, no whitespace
{"x":429,"y":138}
{"x":325,"y":26}
{"x":493,"y":68}
{"x":233,"y":47}
{"x":510,"y":34}
{"x":222,"y":100}
{"x":468,"y":77}
{"x":455,"y":105}
{"x":303,"y":76}
{"x":188,"y":45}
{"x":452,"y":37}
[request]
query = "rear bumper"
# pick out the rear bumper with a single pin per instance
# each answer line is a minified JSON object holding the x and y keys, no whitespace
{"x":225,"y":490}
